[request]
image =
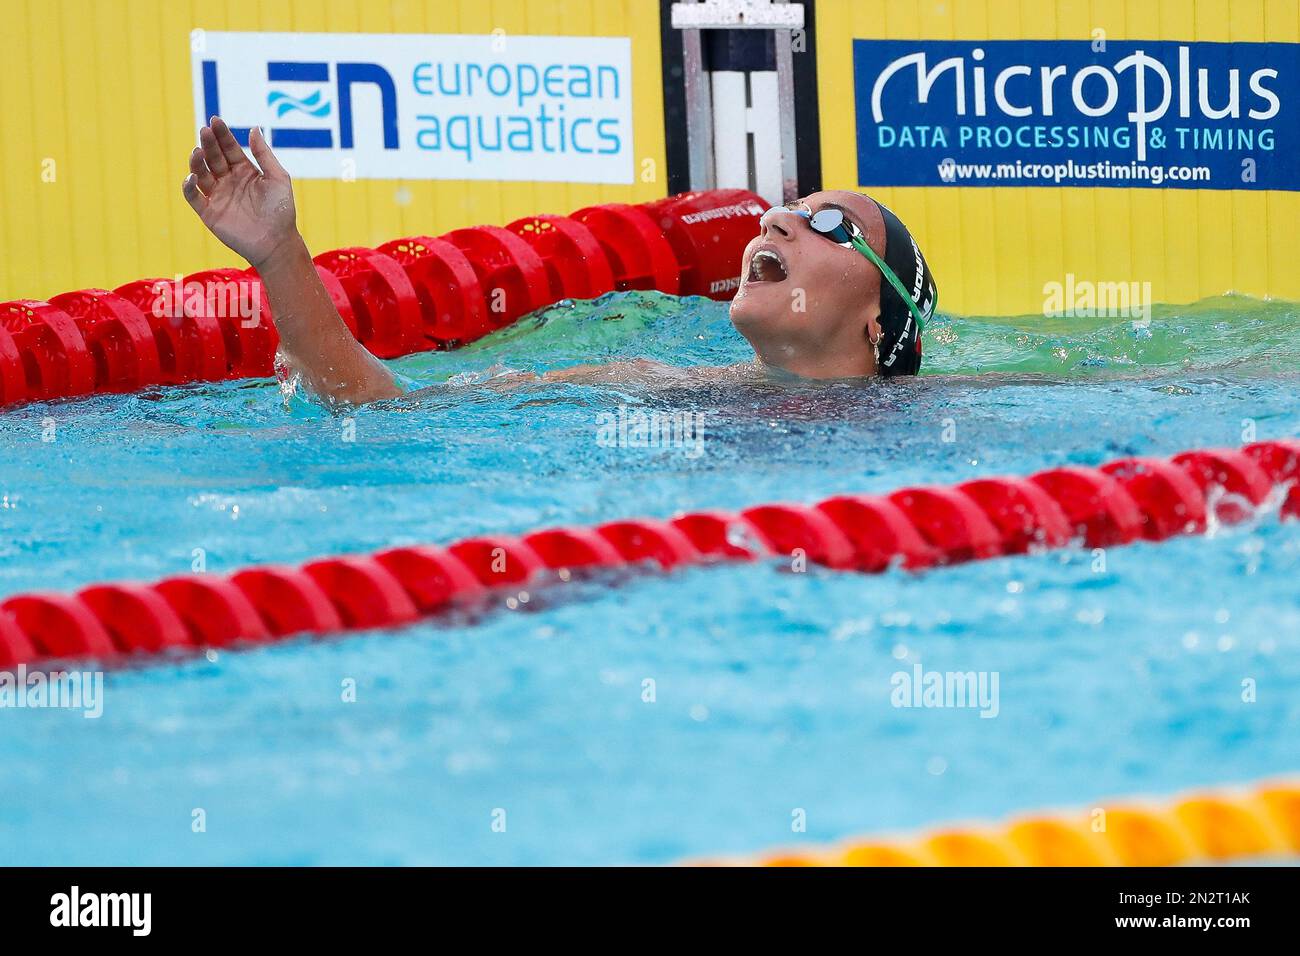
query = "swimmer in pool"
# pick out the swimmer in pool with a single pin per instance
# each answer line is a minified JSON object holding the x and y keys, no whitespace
{"x":832,"y":287}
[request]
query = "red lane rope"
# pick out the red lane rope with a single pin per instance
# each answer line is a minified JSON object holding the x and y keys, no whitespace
{"x":408,"y":295}
{"x":915,"y":528}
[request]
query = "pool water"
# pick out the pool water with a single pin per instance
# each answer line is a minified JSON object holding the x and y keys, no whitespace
{"x":664,"y":716}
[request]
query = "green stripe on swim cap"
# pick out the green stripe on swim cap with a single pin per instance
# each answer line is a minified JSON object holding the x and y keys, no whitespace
{"x":908,"y":298}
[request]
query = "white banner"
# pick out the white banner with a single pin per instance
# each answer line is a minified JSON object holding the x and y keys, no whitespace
{"x":412,"y":106}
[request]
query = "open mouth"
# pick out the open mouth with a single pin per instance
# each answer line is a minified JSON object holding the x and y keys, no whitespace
{"x":766,"y":266}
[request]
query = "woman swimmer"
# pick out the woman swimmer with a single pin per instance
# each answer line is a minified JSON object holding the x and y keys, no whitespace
{"x":850,"y":307}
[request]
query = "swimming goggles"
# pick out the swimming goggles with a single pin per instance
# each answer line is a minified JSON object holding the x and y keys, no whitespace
{"x":832,"y":224}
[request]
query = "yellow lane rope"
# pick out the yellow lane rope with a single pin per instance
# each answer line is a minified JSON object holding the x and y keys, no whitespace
{"x":1204,"y":826}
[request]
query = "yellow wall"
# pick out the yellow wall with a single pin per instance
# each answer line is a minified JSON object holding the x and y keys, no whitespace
{"x":103,"y":88}
{"x":994,"y":248}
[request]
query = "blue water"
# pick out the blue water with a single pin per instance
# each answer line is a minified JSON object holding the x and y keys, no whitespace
{"x":771,"y":688}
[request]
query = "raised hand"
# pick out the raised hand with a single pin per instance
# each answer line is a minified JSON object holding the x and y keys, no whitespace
{"x":248,"y":209}
{"x":252,"y":212}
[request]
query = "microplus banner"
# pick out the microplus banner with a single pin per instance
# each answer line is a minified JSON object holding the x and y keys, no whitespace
{"x":410,"y":106}
{"x":1146,"y":113}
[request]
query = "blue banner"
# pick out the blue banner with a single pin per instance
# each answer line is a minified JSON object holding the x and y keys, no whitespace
{"x":1147,"y":113}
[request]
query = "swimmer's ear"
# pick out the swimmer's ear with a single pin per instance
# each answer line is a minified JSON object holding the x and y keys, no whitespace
{"x":873,"y":329}
{"x":873,"y":333}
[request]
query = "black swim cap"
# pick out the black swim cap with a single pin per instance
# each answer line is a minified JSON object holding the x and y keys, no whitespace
{"x":900,"y":336}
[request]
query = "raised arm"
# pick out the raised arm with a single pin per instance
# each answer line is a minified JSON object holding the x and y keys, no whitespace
{"x":252,"y":212}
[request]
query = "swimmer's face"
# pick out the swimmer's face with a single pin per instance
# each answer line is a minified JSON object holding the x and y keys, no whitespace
{"x":805,"y":303}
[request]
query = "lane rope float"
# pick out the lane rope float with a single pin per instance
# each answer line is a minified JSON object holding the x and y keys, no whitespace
{"x":1202,"y":826}
{"x":915,"y":528}
{"x":409,"y":295}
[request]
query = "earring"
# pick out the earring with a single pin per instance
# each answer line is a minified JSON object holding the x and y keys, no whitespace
{"x":875,"y":347}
